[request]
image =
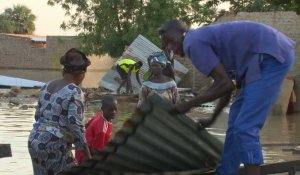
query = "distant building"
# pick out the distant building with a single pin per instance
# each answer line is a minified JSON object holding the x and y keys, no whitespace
{"x":37,"y":58}
{"x":39,"y":42}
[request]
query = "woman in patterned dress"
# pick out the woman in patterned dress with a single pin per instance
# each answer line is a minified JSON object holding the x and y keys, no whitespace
{"x":158,"y":82}
{"x":58,"y":116}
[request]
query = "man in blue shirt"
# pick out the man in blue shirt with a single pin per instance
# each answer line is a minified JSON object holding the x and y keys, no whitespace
{"x":257,"y":57}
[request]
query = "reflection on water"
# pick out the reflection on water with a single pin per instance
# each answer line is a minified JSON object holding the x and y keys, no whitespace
{"x":279,"y":136}
{"x":14,"y":128}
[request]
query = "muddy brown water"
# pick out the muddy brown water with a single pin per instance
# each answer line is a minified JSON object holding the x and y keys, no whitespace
{"x":279,"y":136}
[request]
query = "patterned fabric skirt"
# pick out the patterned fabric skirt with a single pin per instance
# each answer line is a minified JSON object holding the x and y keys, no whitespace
{"x":49,"y":154}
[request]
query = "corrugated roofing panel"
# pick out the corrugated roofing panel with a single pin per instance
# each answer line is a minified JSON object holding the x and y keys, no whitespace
{"x":153,"y":141}
{"x":39,"y":39}
{"x":20,"y":82}
{"x":139,"y":49}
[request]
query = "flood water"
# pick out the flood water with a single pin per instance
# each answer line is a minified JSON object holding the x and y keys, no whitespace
{"x":279,"y":135}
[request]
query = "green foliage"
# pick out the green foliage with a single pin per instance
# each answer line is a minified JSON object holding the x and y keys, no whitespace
{"x":6,"y":25}
{"x":18,"y":20}
{"x":287,"y":5}
{"x":107,"y":26}
{"x":264,"y":5}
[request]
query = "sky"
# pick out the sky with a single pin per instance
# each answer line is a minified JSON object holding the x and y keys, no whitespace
{"x":48,"y":18}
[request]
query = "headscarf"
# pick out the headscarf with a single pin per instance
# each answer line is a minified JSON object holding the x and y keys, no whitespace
{"x":75,"y":61}
{"x":157,"y":57}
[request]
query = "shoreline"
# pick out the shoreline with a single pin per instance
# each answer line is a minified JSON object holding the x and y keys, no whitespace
{"x":27,"y":99}
{"x":17,"y":97}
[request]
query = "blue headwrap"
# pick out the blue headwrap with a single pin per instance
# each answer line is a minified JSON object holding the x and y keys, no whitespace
{"x":157,"y":57}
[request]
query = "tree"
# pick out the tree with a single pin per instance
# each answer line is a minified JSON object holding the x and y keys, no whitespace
{"x":264,"y":5}
{"x":6,"y":25}
{"x":107,"y":26}
{"x":288,"y":5}
{"x":18,"y":20}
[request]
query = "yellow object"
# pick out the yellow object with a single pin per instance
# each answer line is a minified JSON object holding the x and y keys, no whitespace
{"x":147,"y":75}
{"x":124,"y":63}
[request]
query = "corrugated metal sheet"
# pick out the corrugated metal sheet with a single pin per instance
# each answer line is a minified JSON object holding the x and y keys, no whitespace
{"x":20,"y":82}
{"x":153,"y":141}
{"x":39,"y":39}
{"x":139,"y":49}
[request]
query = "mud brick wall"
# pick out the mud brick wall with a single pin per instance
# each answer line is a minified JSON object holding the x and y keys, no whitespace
{"x":19,"y":58}
{"x":57,"y":46}
{"x":21,"y":54}
{"x":193,"y":79}
{"x":17,"y":52}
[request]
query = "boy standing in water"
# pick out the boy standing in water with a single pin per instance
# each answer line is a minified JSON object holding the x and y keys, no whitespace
{"x":99,"y":128}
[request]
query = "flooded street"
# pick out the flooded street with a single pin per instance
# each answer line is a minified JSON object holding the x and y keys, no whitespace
{"x":278,"y":137}
{"x":14,"y":128}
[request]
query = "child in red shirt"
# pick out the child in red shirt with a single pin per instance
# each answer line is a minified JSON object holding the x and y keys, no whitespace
{"x":99,"y":128}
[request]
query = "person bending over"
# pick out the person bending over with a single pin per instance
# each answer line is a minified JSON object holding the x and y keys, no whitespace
{"x":125,"y":67}
{"x":257,"y":57}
